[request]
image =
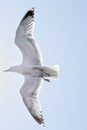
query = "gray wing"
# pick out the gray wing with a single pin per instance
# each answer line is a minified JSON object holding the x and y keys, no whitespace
{"x":29,"y":92}
{"x":25,"y":41}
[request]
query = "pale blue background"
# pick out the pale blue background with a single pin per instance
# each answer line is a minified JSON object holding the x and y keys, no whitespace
{"x":61,"y":32}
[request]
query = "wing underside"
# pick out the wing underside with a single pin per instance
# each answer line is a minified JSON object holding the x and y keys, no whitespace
{"x":34,"y":107}
{"x":25,"y":41}
{"x":29,"y":93}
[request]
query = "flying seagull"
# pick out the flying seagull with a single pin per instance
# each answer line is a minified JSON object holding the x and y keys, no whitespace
{"x":32,"y":67}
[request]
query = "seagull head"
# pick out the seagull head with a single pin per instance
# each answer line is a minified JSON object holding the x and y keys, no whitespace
{"x":16,"y":68}
{"x":11,"y":69}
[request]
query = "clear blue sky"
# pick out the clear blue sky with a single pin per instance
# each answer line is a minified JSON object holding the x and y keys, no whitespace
{"x":61,"y":32}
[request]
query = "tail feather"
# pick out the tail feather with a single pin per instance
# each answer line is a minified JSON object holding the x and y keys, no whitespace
{"x":52,"y":71}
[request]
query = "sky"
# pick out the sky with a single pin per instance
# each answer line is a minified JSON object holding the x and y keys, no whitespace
{"x":61,"y":32}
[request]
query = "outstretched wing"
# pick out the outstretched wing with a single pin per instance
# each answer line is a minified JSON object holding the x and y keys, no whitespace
{"x":29,"y":92}
{"x":25,"y":41}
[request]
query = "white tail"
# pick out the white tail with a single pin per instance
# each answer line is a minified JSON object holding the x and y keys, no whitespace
{"x":52,"y":71}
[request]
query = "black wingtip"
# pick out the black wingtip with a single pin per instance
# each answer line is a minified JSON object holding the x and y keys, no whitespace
{"x":29,"y":13}
{"x":40,"y":120}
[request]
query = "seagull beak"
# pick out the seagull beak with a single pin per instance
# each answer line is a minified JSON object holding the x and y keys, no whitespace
{"x":6,"y":70}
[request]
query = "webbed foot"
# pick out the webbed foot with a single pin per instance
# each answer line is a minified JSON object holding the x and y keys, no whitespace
{"x":46,"y":80}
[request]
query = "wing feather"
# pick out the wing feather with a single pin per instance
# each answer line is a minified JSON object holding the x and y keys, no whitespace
{"x":34,"y":107}
{"x":25,"y":41}
{"x":29,"y":93}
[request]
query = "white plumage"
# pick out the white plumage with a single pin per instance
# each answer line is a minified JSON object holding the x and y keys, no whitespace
{"x":32,"y":68}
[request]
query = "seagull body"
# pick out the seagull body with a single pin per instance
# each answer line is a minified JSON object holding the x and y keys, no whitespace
{"x":32,"y":67}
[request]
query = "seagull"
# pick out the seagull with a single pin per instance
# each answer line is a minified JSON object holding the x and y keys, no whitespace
{"x":32,"y":67}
